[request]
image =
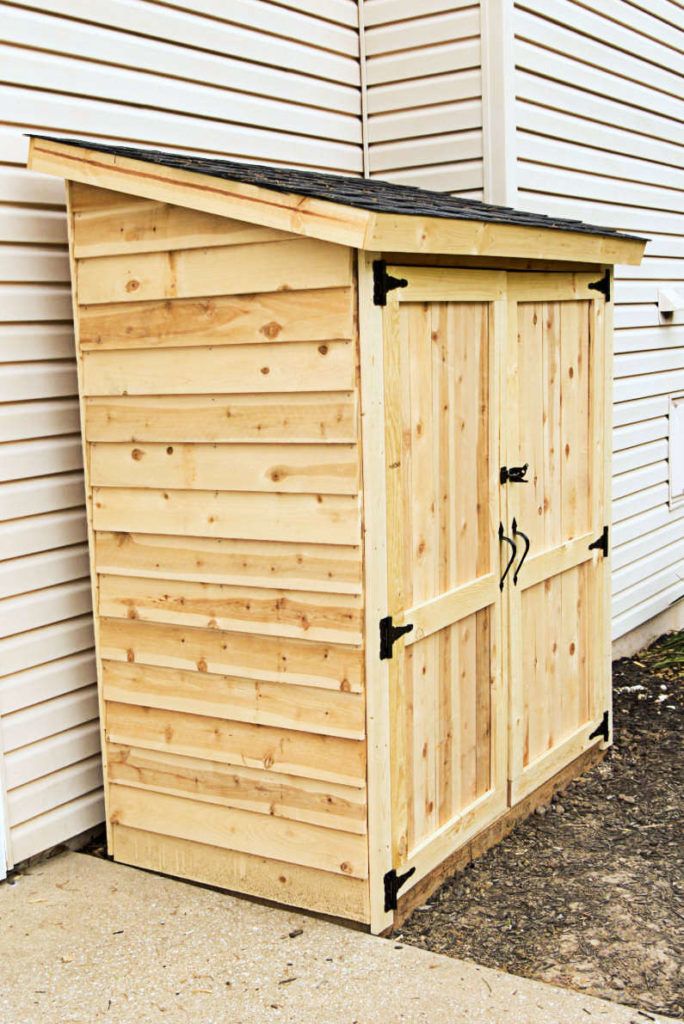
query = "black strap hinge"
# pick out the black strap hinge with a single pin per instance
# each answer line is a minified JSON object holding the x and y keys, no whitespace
{"x":388,"y":634}
{"x":384,"y":282}
{"x":393,"y":883}
{"x":602,"y":285}
{"x":603,"y":729}
{"x":513,"y":474}
{"x":601,"y":543}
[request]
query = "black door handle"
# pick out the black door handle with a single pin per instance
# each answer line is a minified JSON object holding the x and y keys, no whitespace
{"x":519,"y":533}
{"x":511,"y":560}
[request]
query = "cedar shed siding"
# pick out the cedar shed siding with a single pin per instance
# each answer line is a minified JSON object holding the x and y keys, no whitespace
{"x":220,"y":358}
{"x":276,"y":82}
{"x":222,"y":427}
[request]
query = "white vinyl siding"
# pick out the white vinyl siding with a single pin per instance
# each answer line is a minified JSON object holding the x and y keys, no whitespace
{"x":424,"y":93}
{"x":274,"y":82}
{"x":600,"y":136}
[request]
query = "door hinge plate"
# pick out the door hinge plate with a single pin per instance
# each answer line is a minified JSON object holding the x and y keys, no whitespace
{"x":601,"y":543}
{"x":602,"y":729}
{"x":384,"y":282}
{"x":388,"y":634}
{"x":602,"y":285}
{"x":393,"y":883}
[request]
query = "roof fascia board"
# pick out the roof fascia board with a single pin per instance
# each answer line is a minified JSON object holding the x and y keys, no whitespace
{"x":315,"y":218}
{"x":438,"y":235}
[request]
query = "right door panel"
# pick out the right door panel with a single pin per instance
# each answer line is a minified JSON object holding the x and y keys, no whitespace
{"x":555,"y":423}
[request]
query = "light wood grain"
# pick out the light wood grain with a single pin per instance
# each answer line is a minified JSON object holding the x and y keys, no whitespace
{"x":442,"y":359}
{"x":321,"y":891}
{"x":308,"y":708}
{"x":322,"y":519}
{"x":234,"y":829}
{"x":277,"y":419}
{"x":250,"y":789}
{"x":239,"y":369}
{"x":272,"y":659}
{"x":324,"y":314}
{"x":234,"y":269}
{"x":375,"y":593}
{"x":327,"y":758}
{"x":317,"y":567}
{"x":109,"y":223}
{"x":297,"y":469}
{"x":313,"y":217}
{"x":556,"y":611}
{"x":272,"y":612}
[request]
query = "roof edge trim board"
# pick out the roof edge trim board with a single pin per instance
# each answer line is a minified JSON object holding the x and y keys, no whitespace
{"x":288,"y":212}
{"x":330,"y":221}
{"x":397,"y":234}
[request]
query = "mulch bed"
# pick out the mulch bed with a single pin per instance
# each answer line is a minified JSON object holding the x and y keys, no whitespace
{"x":587,"y":893}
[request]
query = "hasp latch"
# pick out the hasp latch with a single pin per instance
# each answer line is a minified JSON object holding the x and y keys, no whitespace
{"x":603,"y":729}
{"x":601,"y":543}
{"x":393,"y":883}
{"x":388,"y":634}
{"x":384,"y":282}
{"x":602,"y":285}
{"x":513,"y":474}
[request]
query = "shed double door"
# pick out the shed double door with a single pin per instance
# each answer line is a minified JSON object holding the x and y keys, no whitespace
{"x":494,"y":687}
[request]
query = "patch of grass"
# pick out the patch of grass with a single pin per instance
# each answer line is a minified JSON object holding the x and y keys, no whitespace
{"x":666,"y":654}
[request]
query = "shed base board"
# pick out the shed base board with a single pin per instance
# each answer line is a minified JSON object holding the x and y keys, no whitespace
{"x":493,"y":834}
{"x":671,"y":619}
{"x":286,"y":885}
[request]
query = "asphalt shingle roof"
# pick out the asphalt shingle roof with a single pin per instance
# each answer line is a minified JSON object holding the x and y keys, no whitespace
{"x":363,"y":193}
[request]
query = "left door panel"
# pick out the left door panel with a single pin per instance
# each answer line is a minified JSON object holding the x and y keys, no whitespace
{"x":442,"y":336}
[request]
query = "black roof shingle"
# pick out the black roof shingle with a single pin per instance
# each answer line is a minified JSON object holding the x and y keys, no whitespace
{"x":364,"y":193}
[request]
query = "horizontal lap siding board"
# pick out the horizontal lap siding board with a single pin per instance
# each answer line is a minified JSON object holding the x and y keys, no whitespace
{"x":273,"y":83}
{"x":223,"y":464}
{"x":424,"y":90}
{"x":598,"y":114}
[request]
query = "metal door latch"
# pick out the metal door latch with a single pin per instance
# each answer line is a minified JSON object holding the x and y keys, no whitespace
{"x":513,"y":474}
{"x":384,"y":282}
{"x":388,"y":634}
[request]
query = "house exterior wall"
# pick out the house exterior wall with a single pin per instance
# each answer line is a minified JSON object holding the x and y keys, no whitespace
{"x":599,"y":110}
{"x":278,"y":83}
{"x":424,"y":102}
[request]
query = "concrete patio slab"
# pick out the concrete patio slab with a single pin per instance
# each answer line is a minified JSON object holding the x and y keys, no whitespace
{"x":84,"y":941}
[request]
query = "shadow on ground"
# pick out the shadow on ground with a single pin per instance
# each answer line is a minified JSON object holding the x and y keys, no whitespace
{"x":588,"y":892}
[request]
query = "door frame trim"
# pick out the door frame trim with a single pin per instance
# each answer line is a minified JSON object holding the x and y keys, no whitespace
{"x":371,"y":416}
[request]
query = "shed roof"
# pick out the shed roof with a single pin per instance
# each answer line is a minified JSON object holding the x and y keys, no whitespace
{"x":373,"y":196}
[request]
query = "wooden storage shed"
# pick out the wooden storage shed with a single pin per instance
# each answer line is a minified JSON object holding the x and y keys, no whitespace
{"x":347,"y":462}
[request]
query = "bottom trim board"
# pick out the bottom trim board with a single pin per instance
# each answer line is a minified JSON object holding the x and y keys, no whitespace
{"x":244,"y":874}
{"x":492,"y":835}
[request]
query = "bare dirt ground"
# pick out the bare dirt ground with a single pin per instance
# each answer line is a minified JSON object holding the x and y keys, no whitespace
{"x":589,"y":892}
